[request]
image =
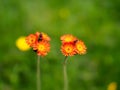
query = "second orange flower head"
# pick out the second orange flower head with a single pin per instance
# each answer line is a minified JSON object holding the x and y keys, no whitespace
{"x":72,"y":46}
{"x":40,"y":42}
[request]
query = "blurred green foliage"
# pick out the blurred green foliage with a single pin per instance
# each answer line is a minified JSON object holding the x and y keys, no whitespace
{"x":96,"y":22}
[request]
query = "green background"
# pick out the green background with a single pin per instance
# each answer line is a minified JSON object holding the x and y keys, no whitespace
{"x":96,"y":22}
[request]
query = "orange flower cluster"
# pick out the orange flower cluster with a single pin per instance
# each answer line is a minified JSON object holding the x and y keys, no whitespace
{"x":72,"y":46}
{"x":39,"y":42}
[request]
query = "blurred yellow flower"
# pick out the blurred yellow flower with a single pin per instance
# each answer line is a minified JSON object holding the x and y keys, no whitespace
{"x":21,"y":44}
{"x":112,"y":86}
{"x":64,"y":13}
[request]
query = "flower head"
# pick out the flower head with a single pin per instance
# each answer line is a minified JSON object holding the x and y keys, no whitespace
{"x":21,"y":44}
{"x":112,"y":86}
{"x":39,"y":42}
{"x":68,"y":49}
{"x":31,"y":39}
{"x":80,"y":47}
{"x":64,"y":13}
{"x":42,"y":48}
{"x":68,"y":38}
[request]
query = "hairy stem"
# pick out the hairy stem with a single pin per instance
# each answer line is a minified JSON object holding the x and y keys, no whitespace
{"x":38,"y":73}
{"x":65,"y":74}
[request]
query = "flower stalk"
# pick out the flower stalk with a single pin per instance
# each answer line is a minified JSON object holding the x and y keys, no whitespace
{"x":65,"y":74}
{"x":38,"y":74}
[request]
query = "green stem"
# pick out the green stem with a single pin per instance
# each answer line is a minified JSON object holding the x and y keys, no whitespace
{"x":38,"y":73}
{"x":65,"y":74}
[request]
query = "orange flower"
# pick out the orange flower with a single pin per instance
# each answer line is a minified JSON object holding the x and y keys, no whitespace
{"x":42,"y":36}
{"x":68,"y":38}
{"x":68,"y":49}
{"x":31,"y":39}
{"x":80,"y":47}
{"x":39,"y":42}
{"x":42,"y":48}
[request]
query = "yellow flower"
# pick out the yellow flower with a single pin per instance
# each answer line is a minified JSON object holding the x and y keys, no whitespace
{"x":112,"y":86}
{"x":21,"y":44}
{"x":68,"y":49}
{"x":64,"y":13}
{"x":80,"y":47}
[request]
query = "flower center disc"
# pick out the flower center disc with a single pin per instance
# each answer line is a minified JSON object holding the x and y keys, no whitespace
{"x":41,"y":47}
{"x":68,"y":49}
{"x":32,"y":40}
{"x":79,"y":47}
{"x":68,"y":39}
